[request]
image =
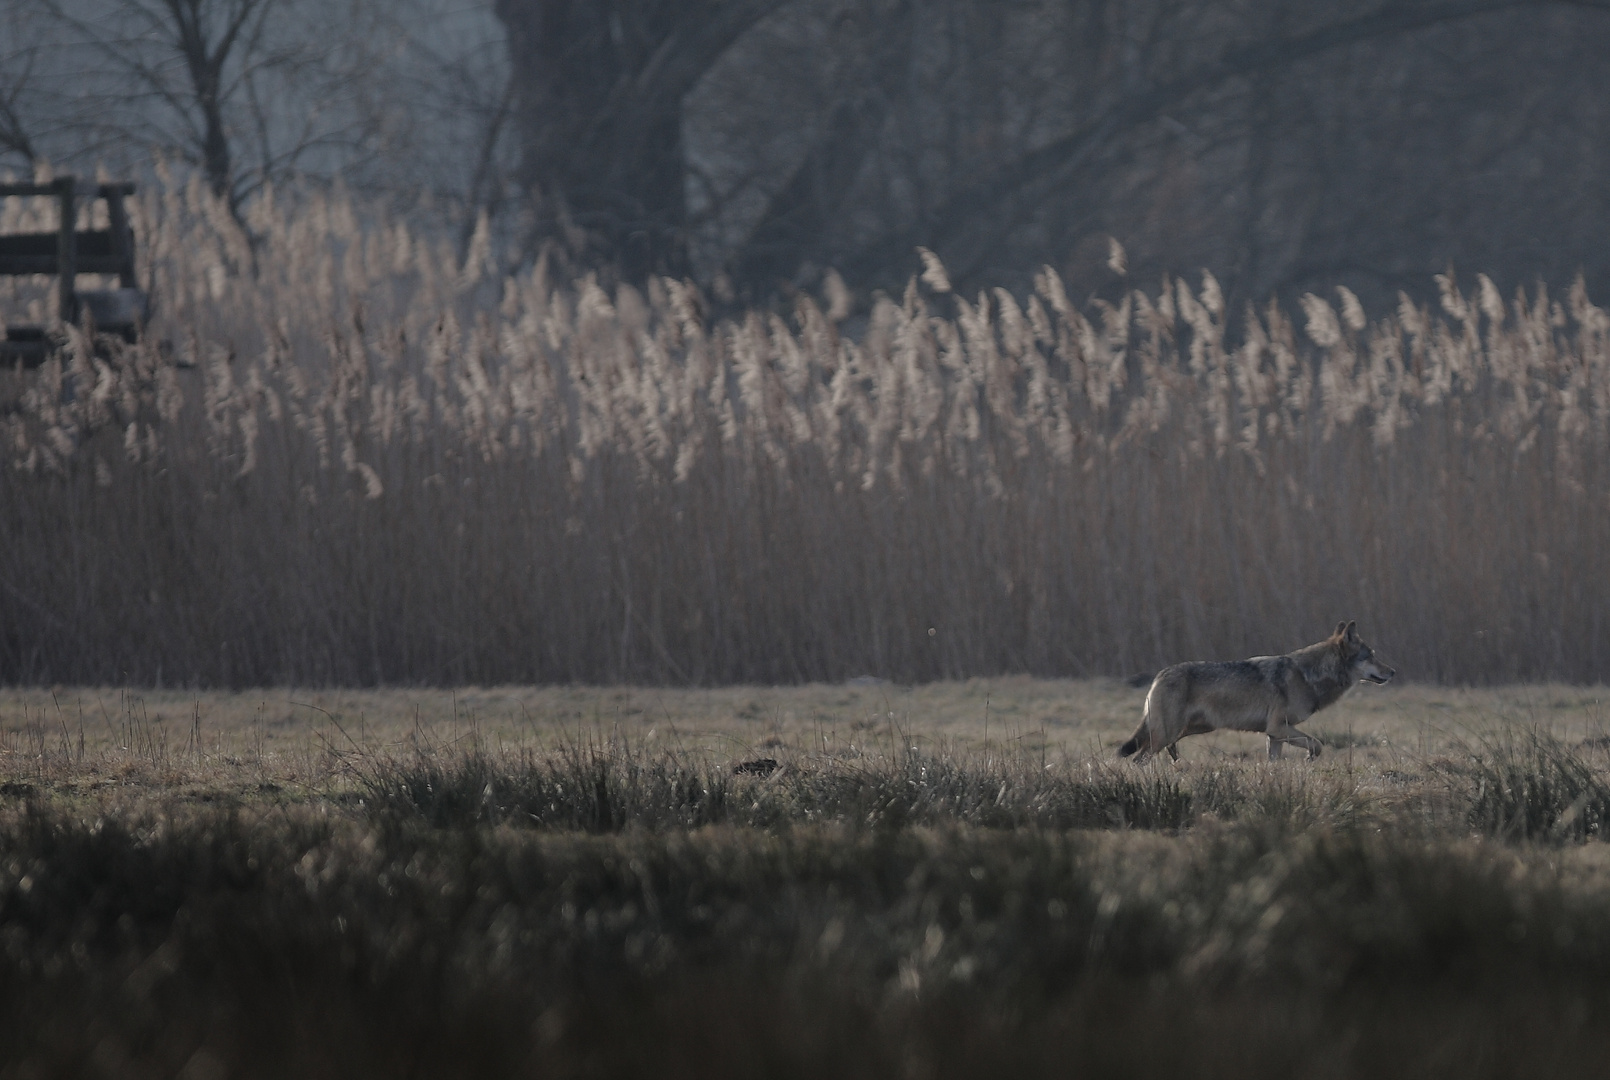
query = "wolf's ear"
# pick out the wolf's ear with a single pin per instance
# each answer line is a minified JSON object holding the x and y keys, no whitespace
{"x":1352,"y":631}
{"x":1341,"y":630}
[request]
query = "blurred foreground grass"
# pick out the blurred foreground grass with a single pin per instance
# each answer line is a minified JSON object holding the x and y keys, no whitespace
{"x":577,"y":883}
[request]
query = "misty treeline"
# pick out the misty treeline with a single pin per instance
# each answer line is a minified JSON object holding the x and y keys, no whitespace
{"x":754,"y":144}
{"x":1285,"y":146}
{"x":407,"y":100}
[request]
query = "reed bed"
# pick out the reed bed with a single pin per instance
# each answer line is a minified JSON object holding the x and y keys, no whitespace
{"x":343,"y":455}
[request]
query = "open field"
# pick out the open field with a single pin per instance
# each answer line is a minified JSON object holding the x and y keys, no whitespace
{"x":575,"y":882}
{"x":79,"y":740}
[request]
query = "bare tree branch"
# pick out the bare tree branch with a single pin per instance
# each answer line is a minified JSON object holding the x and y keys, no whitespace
{"x":14,"y":138}
{"x":600,"y":90}
{"x":970,"y":224}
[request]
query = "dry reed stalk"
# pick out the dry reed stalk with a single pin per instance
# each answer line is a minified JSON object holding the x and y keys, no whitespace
{"x":387,"y":466}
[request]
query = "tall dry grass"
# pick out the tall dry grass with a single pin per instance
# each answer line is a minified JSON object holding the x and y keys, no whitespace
{"x":341,"y":455}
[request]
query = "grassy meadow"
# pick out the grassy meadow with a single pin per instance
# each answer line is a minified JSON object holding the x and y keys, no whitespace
{"x":71,"y":742}
{"x":943,"y":880}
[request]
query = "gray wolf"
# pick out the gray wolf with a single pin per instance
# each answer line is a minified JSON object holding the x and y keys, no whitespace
{"x":1271,"y":694}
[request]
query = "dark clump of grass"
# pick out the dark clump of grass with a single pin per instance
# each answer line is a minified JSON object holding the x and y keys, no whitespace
{"x":947,"y":789}
{"x":1527,"y":784}
{"x":1131,"y":799}
{"x":606,"y":787}
{"x":1517,"y":785}
{"x":585,"y":787}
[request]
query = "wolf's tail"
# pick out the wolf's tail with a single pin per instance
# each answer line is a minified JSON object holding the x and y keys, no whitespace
{"x":1131,"y":746}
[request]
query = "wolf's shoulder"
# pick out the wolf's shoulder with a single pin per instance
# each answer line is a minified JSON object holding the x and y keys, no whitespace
{"x":1271,"y":663}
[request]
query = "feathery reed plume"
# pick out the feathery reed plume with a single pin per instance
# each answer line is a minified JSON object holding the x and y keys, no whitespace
{"x":377,"y":463}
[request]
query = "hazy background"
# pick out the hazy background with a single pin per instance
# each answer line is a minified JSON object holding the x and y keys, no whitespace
{"x":755,"y":143}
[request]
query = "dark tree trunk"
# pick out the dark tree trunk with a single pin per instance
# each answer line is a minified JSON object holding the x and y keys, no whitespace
{"x":801,"y":221}
{"x":600,"y":85}
{"x":206,"y":50}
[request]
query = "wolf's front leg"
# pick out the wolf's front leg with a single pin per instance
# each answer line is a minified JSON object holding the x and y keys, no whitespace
{"x":1284,"y":733}
{"x":1307,"y":742}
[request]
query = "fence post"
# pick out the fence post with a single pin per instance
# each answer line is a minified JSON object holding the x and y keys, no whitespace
{"x":67,"y":248}
{"x":122,"y":236}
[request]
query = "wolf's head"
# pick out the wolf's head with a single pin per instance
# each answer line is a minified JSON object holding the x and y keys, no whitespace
{"x":1357,"y":657}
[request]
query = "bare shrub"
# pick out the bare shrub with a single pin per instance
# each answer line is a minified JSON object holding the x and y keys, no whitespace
{"x":1529,"y":784}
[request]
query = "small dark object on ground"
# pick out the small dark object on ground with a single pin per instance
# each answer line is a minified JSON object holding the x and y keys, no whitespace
{"x":760,"y":766}
{"x":1141,"y":680}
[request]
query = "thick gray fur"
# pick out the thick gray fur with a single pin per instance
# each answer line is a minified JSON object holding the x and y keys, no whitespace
{"x":1268,"y":694}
